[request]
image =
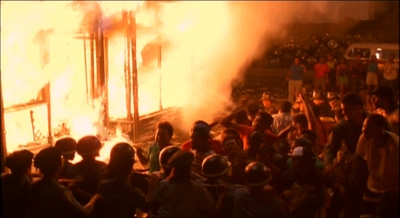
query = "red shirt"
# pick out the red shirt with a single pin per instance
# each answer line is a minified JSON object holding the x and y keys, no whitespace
{"x":215,"y":146}
{"x":244,"y":131}
{"x":320,"y":70}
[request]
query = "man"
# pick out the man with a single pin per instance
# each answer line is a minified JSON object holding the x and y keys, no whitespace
{"x":258,"y":198}
{"x":295,"y":78}
{"x":269,"y":104}
{"x":358,"y":70}
{"x":163,"y":136}
{"x":321,"y":70}
{"x":283,"y":118}
{"x":390,"y":73}
{"x":384,"y":103}
{"x":262,"y":122}
{"x":347,"y":130}
{"x":380,"y":150}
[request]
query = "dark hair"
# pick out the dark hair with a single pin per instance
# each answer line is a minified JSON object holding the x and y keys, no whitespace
{"x":310,"y":135}
{"x":265,"y":117}
{"x":121,"y":159}
{"x":48,"y":160}
{"x":252,"y":108}
{"x":353,"y":99}
{"x":379,"y":121}
{"x":303,"y":142}
{"x":167,"y":126}
{"x":300,"y":119}
{"x":19,"y":161}
{"x":286,"y":106}
{"x":234,"y":134}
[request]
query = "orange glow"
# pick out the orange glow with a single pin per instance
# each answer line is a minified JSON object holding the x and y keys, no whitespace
{"x":40,"y":43}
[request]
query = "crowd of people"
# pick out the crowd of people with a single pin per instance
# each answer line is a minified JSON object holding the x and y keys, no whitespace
{"x":315,"y":155}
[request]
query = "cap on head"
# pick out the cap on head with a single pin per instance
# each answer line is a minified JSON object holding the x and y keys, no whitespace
{"x":215,"y":166}
{"x":332,"y":96}
{"x":257,"y":174}
{"x":166,"y":154}
{"x":318,"y":95}
{"x":202,"y":128}
{"x":181,"y":159}
{"x":66,"y":145}
{"x":48,"y":160}
{"x":88,"y":146}
{"x":302,"y":151}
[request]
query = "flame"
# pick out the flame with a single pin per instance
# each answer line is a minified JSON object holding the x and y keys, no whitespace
{"x":195,"y":41}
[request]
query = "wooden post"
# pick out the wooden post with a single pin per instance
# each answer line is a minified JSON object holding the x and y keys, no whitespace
{"x":127,"y":68}
{"x":47,"y":92}
{"x":134,"y":78}
{"x":3,"y":132}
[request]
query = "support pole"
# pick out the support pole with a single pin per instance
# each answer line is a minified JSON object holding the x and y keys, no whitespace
{"x":50,"y":139}
{"x":134,"y":78}
{"x":127,"y":69}
{"x":3,"y":132}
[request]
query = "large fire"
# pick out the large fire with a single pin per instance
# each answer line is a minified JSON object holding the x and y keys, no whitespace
{"x":187,"y":53}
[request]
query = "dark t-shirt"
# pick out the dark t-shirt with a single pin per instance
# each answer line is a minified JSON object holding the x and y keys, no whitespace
{"x":119,"y":199}
{"x":14,"y":195}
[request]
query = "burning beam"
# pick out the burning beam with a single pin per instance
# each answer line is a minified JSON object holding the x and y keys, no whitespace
{"x":3,"y":131}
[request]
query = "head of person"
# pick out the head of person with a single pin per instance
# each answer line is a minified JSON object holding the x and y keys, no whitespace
{"x":285,"y":107}
{"x":200,"y":134}
{"x":19,"y":162}
{"x":352,"y":106}
{"x":382,"y":96}
{"x":303,"y":160}
{"x":302,"y":141}
{"x":229,"y":133}
{"x":181,"y":164}
{"x":310,"y":136}
{"x":252,"y":109}
{"x":266,"y":100}
{"x":300,"y":123}
{"x":392,"y":56}
{"x":232,"y":145}
{"x":164,"y":133}
{"x":374,"y":126}
{"x":165,"y":155}
{"x":48,"y":161}
{"x":296,"y":60}
{"x":374,"y":58}
{"x":67,"y":147}
{"x":215,"y":166}
{"x":262,"y":121}
{"x":88,"y":147}
{"x":318,"y":97}
{"x":257,"y":175}
{"x":242,"y":118}
{"x":122,"y":158}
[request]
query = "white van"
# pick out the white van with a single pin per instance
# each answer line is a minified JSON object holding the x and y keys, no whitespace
{"x":367,"y":50}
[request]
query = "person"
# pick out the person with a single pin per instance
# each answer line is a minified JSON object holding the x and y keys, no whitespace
{"x":116,"y":197}
{"x":251,"y":111}
{"x":258,"y":199}
{"x":331,"y":61}
{"x":357,"y":69}
{"x":14,"y":185}
{"x":334,"y":102}
{"x":342,"y":76}
{"x":215,"y":169}
{"x":303,"y":184}
{"x":321,"y":70}
{"x":89,"y":171}
{"x":348,"y":130}
{"x":373,"y":72}
{"x":379,"y":148}
{"x":384,"y":103}
{"x":283,"y":118}
{"x":67,"y":146}
{"x":155,"y":177}
{"x":163,"y":136}
{"x":47,"y":198}
{"x":236,"y":156}
{"x":177,"y":195}
{"x":339,"y":152}
{"x":320,"y":105}
{"x":390,"y":73}
{"x":202,"y":129}
{"x":268,"y":103}
{"x":295,"y":78}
